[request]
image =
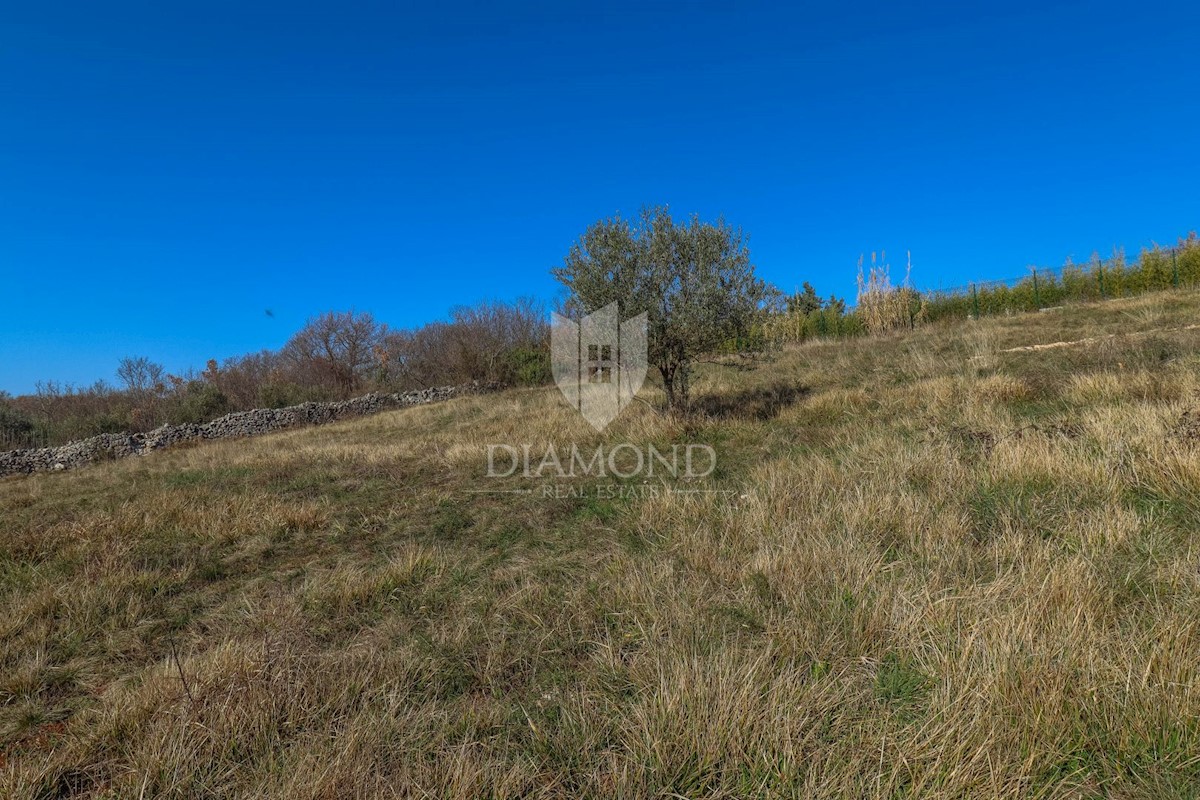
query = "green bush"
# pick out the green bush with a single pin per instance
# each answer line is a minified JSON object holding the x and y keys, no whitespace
{"x":17,"y":430}
{"x":527,"y":366}
{"x":199,"y":402}
{"x":280,"y":394}
{"x":800,"y":327}
{"x":84,"y":426}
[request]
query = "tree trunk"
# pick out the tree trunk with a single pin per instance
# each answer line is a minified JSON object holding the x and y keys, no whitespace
{"x":683,"y":389}
{"x":675,"y":378}
{"x":668,"y":379}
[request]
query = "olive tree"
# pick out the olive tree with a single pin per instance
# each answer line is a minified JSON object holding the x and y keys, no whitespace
{"x":694,"y":280}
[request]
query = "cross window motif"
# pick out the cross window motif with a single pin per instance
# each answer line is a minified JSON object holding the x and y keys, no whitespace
{"x":599,"y":363}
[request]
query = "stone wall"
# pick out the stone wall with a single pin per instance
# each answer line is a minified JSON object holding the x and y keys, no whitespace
{"x":231,"y":426}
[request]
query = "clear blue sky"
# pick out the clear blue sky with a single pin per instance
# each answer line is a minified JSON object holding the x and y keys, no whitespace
{"x":170,"y":171}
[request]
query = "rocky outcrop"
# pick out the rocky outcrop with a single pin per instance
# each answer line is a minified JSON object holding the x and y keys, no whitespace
{"x":231,"y":426}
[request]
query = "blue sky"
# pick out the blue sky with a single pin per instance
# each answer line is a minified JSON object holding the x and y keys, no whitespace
{"x":171,"y":171}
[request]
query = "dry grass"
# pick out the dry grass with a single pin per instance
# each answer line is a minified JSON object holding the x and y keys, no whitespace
{"x":882,"y":306}
{"x":938,"y":575}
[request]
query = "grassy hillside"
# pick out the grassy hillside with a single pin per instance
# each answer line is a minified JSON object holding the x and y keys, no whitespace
{"x":931,"y":568}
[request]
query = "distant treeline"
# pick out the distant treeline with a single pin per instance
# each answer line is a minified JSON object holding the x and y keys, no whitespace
{"x":334,"y":356}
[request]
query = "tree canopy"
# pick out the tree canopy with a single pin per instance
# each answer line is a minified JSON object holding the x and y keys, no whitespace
{"x":694,"y":280}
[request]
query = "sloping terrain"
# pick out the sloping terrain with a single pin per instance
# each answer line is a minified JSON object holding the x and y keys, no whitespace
{"x":236,"y":425}
{"x":925,"y":566}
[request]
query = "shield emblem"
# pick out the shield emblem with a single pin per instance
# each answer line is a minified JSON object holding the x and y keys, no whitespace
{"x":599,"y":363}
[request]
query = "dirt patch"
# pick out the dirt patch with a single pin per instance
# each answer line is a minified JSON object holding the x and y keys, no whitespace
{"x":1029,"y":348}
{"x":760,"y":403}
{"x":1187,"y":429}
{"x":980,"y":442}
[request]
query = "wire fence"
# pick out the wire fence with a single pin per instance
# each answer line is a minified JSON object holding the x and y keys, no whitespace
{"x":1039,"y":288}
{"x":1097,"y":279}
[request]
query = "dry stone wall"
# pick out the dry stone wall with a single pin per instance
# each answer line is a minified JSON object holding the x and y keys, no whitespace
{"x":231,"y":426}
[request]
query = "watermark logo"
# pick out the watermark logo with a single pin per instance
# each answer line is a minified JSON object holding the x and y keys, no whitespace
{"x":599,"y":363}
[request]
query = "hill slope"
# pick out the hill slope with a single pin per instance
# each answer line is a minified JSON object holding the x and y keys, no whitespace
{"x":923,"y":567}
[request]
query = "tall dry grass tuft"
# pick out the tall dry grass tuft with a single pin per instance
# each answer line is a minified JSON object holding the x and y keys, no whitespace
{"x":885,"y":307}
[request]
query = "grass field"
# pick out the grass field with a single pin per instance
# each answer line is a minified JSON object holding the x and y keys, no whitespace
{"x":931,"y":569}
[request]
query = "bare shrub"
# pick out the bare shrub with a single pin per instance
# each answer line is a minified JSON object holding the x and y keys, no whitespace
{"x":335,"y":349}
{"x":490,"y":341}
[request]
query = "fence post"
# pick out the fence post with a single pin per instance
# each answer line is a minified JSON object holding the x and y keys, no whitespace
{"x":1174,"y":268}
{"x":1037,"y":296}
{"x":975,"y":299}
